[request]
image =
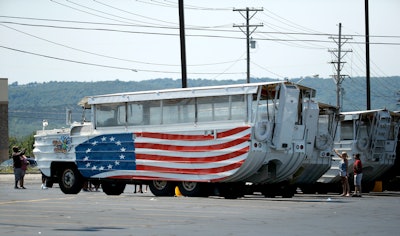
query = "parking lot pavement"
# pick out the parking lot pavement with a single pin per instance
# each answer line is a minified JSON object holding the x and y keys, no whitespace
{"x":10,"y":177}
{"x":50,"y":212}
{"x":53,"y":213}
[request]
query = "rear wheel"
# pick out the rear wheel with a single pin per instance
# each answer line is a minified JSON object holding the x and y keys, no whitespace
{"x":162,"y":188}
{"x":231,"y":190}
{"x":71,"y":181}
{"x":113,"y":188}
{"x":288,"y":191}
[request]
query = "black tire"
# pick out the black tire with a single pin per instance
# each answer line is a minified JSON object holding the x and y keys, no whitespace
{"x":231,"y":190}
{"x":269,"y":194}
{"x":269,"y":191}
{"x":70,"y":180}
{"x":162,"y":188}
{"x":193,"y":189}
{"x":288,"y":192}
{"x":308,"y":189}
{"x":113,"y":188}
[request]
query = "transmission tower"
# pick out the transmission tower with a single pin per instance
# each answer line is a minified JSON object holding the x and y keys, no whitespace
{"x":339,"y":54}
{"x":247,"y":32}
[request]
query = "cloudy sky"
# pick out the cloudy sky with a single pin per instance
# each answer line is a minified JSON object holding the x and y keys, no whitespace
{"x":133,"y":40}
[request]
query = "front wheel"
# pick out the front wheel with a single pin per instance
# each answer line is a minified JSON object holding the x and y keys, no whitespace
{"x":162,"y":188}
{"x":71,"y":181}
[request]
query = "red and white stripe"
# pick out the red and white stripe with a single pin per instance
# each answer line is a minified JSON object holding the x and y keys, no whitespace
{"x":183,"y":157}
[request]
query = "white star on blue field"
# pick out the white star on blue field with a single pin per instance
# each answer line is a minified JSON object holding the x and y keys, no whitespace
{"x":106,"y":153}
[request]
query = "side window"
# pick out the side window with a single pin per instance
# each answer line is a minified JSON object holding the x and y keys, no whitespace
{"x":205,"y":109}
{"x":110,"y":115}
{"x":135,"y":114}
{"x":212,"y":108}
{"x":221,"y":108}
{"x":144,"y":113}
{"x":346,"y":131}
{"x":238,"y":107}
{"x":176,"y":111}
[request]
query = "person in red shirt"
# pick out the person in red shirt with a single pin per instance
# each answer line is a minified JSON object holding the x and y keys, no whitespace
{"x":357,"y":170}
{"x":24,"y":167}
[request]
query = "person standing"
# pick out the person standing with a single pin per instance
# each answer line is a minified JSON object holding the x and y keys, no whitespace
{"x":343,"y":173}
{"x":44,"y":179}
{"x":357,"y":170}
{"x":140,"y":188}
{"x":17,"y":164}
{"x":24,"y":167}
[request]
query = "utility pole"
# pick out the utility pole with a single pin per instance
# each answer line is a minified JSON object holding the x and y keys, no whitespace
{"x":339,"y":54}
{"x":183,"y":44}
{"x":367,"y":56}
{"x":247,"y":32}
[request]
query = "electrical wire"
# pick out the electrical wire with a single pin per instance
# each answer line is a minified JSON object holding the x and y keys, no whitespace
{"x":111,"y":67}
{"x":111,"y":57}
{"x":193,"y":7}
{"x":68,"y":60}
{"x":131,"y":13}
{"x":189,"y":28}
{"x":229,"y":67}
{"x":262,"y":67}
{"x":89,"y":13}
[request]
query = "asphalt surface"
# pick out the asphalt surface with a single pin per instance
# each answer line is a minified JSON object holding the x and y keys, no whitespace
{"x":34,"y":211}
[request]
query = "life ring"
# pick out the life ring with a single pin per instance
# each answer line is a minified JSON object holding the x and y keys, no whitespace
{"x":323,"y":141}
{"x":363,"y":143}
{"x":263,"y":131}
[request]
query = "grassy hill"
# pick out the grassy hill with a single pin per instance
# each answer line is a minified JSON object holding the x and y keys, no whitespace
{"x":31,"y":103}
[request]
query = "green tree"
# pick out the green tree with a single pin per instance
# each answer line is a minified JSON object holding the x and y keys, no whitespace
{"x":23,"y":143}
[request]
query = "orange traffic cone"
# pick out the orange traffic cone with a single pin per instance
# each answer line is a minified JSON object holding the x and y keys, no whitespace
{"x":178,"y":192}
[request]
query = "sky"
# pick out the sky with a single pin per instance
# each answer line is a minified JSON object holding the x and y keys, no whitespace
{"x":135,"y":40}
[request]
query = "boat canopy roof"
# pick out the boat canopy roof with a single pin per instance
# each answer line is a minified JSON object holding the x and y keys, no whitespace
{"x":326,"y":106}
{"x":234,"y":89}
{"x":351,"y":115}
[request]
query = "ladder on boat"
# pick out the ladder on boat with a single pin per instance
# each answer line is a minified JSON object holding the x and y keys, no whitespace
{"x":379,"y":134}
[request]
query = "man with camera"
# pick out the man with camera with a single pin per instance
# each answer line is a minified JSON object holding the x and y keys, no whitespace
{"x":17,"y":155}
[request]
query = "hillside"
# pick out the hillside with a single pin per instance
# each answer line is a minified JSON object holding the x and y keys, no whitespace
{"x":30,"y":104}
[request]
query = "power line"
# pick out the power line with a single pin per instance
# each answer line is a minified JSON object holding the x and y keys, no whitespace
{"x":156,"y":3}
{"x":229,"y":67}
{"x":68,"y":60}
{"x":131,"y":13}
{"x":106,"y":56}
{"x":111,"y":67}
{"x":193,"y":7}
{"x":262,"y":67}
{"x":190,"y":35}
{"x":198,"y":28}
{"x":89,"y":13}
{"x":292,"y":24}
